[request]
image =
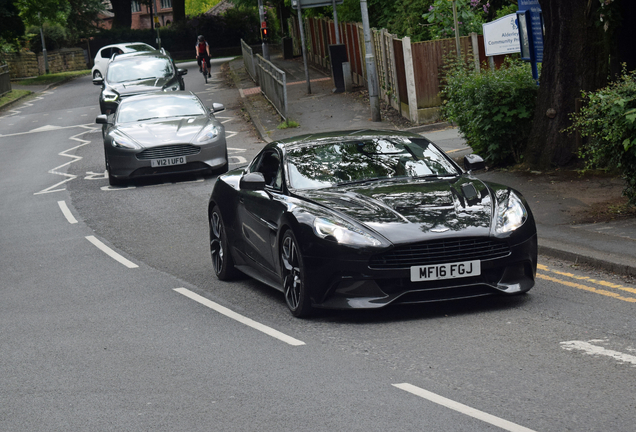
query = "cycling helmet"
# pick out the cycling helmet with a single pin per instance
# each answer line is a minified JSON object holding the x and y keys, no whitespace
{"x":200,"y":38}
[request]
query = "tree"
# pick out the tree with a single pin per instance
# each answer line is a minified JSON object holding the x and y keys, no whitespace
{"x":123,"y":13}
{"x":12,"y":25}
{"x":178,"y":10}
{"x":575,"y":59}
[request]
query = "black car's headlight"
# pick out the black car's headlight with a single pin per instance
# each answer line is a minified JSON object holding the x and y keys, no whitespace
{"x":511,"y":213}
{"x":174,"y":87}
{"x":208,"y":133}
{"x":110,"y":96}
{"x":343,"y":232}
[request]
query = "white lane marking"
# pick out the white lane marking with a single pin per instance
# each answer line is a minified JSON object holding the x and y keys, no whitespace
{"x":240,"y":318}
{"x":111,"y":253}
{"x":48,"y":129}
{"x":66,"y":212}
{"x":69,"y":177}
{"x":590,"y":349}
{"x":464,"y":409}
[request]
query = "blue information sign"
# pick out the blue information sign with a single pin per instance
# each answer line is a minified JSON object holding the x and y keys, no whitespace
{"x":535,"y":27}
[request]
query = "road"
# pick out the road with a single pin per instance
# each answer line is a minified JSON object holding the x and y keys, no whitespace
{"x":112,"y":318}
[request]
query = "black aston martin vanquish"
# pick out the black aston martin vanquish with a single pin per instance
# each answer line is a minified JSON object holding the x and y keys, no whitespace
{"x":367,"y":218}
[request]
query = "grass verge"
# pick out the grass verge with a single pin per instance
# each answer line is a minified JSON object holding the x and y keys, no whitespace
{"x":13,"y":95}
{"x":53,"y":78}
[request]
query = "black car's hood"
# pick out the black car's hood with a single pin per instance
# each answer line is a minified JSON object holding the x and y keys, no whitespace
{"x":142,"y":86}
{"x":161,"y":132}
{"x":395,"y":208}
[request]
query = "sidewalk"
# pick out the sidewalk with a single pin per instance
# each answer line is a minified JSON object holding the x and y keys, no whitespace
{"x":556,"y":201}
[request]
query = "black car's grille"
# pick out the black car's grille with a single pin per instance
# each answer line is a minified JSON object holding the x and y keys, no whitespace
{"x":168,"y":151}
{"x":438,"y":252}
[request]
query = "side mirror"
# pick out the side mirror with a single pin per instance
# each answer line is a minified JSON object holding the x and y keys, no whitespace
{"x":182,"y":72}
{"x":216,"y":107}
{"x":473,"y":162}
{"x":98,"y":81}
{"x":252,"y":182}
{"x":102,"y":119}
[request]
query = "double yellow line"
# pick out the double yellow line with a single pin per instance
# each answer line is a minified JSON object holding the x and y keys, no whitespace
{"x":543,"y":272}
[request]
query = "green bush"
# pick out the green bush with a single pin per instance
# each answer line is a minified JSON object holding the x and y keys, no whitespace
{"x":608,"y":118}
{"x":493,"y":109}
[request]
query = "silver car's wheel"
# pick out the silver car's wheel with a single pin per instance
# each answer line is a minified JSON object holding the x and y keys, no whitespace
{"x":294,"y":286}
{"x":222,"y":262}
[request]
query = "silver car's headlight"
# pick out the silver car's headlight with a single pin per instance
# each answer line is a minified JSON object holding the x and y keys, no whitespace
{"x":120,"y":141}
{"x":110,"y":96}
{"x":343,"y":232}
{"x":209,"y":133}
{"x":511,"y":213}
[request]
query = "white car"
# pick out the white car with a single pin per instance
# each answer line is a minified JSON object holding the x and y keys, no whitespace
{"x":105,"y":53}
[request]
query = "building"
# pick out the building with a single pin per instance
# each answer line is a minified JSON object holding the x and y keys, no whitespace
{"x":142,"y":15}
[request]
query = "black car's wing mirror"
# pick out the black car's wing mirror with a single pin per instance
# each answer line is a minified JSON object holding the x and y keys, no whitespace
{"x":473,"y":162}
{"x":182,"y":72}
{"x":252,"y":181}
{"x":102,"y":119}
{"x":216,"y":107}
{"x":98,"y":81}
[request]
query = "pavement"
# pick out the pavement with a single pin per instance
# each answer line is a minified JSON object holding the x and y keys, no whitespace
{"x":563,"y":203}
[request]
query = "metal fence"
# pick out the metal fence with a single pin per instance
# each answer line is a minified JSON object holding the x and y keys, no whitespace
{"x":273,"y":85}
{"x":5,"y":80}
{"x":248,"y":60}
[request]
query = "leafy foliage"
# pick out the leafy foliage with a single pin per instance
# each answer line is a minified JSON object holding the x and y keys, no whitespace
{"x":609,"y":120}
{"x":493,"y":109}
{"x":470,"y":17}
{"x":197,"y":7}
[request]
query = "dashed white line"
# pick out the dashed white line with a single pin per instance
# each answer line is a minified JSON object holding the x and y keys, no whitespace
{"x":111,"y":253}
{"x":464,"y":409}
{"x":590,"y":349}
{"x":66,"y":212}
{"x":240,"y":318}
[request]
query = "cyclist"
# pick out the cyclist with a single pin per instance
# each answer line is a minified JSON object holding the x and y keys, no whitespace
{"x":203,"y":53}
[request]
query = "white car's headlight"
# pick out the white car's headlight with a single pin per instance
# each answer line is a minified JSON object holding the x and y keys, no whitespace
{"x":110,"y":96}
{"x":511,"y":213}
{"x":343,"y":232}
{"x":209,"y":133}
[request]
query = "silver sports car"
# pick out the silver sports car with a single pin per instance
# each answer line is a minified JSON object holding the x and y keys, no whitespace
{"x":162,"y":133}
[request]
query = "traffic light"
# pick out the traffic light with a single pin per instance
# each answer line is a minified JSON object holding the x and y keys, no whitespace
{"x":265,"y":34}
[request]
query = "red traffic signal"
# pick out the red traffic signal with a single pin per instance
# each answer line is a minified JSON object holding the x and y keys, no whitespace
{"x":264,"y":34}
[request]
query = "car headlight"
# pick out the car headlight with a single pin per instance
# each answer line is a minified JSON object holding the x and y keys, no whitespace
{"x":110,"y":96}
{"x":209,"y":133}
{"x":120,"y":141}
{"x":174,"y":87}
{"x":343,"y":232}
{"x":511,"y":213}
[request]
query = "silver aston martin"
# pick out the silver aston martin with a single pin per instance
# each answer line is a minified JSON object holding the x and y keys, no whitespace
{"x":162,"y":133}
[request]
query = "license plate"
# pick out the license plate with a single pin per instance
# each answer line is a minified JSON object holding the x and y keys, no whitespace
{"x":445,"y":271}
{"x":179,"y":160}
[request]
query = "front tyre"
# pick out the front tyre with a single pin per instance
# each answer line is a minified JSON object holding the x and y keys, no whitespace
{"x":222,"y":261}
{"x":294,"y":285}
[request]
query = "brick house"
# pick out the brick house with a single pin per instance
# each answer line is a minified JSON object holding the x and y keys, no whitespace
{"x":141,"y":14}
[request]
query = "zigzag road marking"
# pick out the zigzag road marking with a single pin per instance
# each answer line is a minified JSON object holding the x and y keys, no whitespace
{"x":16,"y":111}
{"x":69,"y":177}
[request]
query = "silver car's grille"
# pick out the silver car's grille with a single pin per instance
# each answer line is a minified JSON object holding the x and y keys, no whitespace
{"x":168,"y":151}
{"x":438,"y":252}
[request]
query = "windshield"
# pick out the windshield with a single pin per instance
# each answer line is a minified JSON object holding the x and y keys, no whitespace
{"x":138,"y":47}
{"x":139,"y":68}
{"x":341,"y":163}
{"x":158,"y":106}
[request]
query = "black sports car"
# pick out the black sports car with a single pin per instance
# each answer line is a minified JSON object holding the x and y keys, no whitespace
{"x":367,"y":218}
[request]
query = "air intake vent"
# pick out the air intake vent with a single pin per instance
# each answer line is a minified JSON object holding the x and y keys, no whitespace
{"x":168,"y":151}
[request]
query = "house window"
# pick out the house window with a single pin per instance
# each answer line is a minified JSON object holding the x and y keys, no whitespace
{"x":135,"y":6}
{"x":166,"y":4}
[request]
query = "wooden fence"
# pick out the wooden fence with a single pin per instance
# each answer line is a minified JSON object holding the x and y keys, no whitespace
{"x":408,"y":73}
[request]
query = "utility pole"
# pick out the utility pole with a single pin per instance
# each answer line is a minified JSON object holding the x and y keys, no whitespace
{"x":372,"y":76}
{"x":261,"y":14}
{"x":44,"y":56}
{"x":459,"y":50}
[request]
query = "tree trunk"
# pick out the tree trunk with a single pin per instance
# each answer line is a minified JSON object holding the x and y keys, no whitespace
{"x":178,"y":10}
{"x":575,"y":59}
{"x":123,"y":13}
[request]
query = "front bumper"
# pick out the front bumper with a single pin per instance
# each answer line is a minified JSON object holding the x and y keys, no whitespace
{"x":352,"y":284}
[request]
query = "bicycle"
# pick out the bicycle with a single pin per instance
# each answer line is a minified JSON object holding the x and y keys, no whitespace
{"x":204,"y":69}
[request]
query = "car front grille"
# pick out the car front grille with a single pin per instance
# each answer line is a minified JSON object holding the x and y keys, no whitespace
{"x":438,"y":252}
{"x":168,"y":151}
